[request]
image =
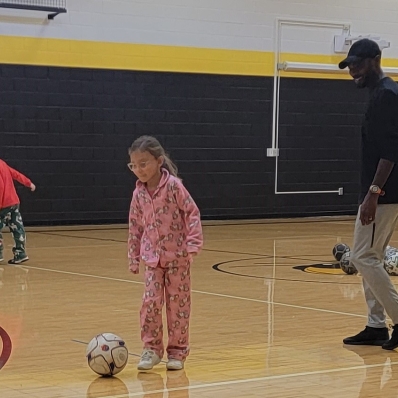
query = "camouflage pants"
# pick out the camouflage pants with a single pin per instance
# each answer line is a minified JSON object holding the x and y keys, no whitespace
{"x":11,"y":217}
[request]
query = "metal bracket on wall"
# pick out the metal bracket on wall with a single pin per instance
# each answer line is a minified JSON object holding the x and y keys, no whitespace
{"x":53,"y":11}
{"x":272,"y":152}
{"x":342,"y":43}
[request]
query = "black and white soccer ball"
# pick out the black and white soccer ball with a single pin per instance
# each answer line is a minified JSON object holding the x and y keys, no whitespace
{"x":107,"y":354}
{"x":391,"y":260}
{"x":346,"y":265}
{"x":339,"y":249}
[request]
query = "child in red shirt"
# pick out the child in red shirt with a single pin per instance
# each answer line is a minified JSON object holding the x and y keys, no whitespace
{"x":9,"y":211}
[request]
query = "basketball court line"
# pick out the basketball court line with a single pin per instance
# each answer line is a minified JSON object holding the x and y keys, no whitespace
{"x":205,"y":249}
{"x":254,"y":380}
{"x":67,"y":247}
{"x":130,"y":353}
{"x":282,"y":238}
{"x":205,"y":223}
{"x":295,"y":237}
{"x":268,"y":256}
{"x":201,"y":292}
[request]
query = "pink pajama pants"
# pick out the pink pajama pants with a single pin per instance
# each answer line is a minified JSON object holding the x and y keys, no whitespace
{"x":170,"y":282}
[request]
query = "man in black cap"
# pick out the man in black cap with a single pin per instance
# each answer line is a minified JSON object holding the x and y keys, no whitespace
{"x":378,"y":210}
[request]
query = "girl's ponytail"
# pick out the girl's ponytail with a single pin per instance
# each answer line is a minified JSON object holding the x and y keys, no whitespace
{"x":170,"y":166}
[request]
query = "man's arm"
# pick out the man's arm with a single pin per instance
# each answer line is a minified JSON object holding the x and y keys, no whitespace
{"x":383,"y":171}
{"x":387,"y":145}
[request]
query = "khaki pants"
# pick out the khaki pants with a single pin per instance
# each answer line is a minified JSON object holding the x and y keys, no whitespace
{"x":370,"y":242}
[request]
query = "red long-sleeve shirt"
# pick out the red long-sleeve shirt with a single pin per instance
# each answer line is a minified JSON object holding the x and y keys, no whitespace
{"x":8,"y":194}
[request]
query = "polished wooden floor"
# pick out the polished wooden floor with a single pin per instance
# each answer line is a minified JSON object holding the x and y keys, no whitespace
{"x":260,"y":326}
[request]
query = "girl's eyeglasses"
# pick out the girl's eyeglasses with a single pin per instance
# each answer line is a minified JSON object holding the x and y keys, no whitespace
{"x":141,"y":165}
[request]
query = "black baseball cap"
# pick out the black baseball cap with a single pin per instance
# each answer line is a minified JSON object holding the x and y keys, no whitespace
{"x":361,"y":49}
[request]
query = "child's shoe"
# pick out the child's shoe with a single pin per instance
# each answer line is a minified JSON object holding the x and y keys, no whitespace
{"x":18,"y":259}
{"x":1,"y":257}
{"x":148,"y":360}
{"x":174,"y":364}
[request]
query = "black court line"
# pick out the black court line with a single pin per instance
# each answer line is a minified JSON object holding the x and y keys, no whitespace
{"x":79,"y":237}
{"x":130,"y":353}
{"x":206,"y":250}
{"x":91,"y":228}
{"x":216,"y":267}
{"x":267,"y":256}
{"x":298,"y":220}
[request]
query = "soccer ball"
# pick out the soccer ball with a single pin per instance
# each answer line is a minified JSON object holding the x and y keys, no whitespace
{"x":107,"y":354}
{"x":346,"y":265}
{"x":390,"y":249}
{"x":339,"y":250}
{"x":391,"y":260}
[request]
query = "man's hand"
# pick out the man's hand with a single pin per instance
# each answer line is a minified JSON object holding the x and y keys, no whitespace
{"x":368,"y":208}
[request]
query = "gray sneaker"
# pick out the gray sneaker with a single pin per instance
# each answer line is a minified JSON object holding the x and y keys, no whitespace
{"x":148,"y":360}
{"x":18,"y":259}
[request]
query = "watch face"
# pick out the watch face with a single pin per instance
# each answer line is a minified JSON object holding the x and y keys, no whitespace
{"x":374,"y":188}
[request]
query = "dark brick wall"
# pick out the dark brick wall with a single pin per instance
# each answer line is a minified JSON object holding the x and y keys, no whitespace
{"x":319,"y":137}
{"x":69,"y":130}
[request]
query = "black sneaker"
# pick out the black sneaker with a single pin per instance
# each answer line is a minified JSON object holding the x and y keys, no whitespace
{"x":392,"y":344}
{"x":371,"y":336}
{"x":18,"y":260}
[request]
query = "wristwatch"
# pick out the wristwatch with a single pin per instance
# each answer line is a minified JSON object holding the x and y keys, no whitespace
{"x":376,"y":189}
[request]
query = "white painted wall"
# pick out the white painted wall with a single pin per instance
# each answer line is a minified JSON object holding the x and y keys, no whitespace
{"x":227,"y":24}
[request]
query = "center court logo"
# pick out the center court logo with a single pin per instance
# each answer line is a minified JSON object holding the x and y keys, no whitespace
{"x":260,"y":269}
{"x":322,"y":268}
{"x":6,"y":349}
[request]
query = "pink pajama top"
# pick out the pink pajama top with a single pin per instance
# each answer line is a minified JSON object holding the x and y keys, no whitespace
{"x":165,"y":225}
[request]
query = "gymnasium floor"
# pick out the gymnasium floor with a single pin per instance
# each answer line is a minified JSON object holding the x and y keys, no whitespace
{"x":269,"y":314}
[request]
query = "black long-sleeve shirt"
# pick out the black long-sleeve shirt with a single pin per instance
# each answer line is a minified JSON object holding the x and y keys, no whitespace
{"x":380,"y":139}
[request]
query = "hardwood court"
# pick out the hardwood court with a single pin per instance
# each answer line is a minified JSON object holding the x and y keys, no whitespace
{"x":260,"y":327}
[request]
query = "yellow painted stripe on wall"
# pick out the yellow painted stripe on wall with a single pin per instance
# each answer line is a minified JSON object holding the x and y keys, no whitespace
{"x":126,"y":56}
{"x":89,"y":54}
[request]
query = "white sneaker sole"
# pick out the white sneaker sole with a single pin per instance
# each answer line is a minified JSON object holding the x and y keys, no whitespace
{"x":147,"y":367}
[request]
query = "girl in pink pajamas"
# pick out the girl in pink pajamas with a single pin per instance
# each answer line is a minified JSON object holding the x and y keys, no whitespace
{"x":165,"y":233}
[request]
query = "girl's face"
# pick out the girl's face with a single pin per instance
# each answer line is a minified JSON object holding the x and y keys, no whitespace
{"x":146,"y":167}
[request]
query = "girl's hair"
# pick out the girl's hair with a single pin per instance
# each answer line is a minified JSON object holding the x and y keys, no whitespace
{"x":147,"y":143}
